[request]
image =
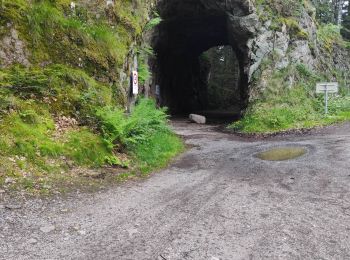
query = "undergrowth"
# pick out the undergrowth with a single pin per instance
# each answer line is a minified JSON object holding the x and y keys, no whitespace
{"x":35,"y":153}
{"x":76,"y":57}
{"x":285,"y":107}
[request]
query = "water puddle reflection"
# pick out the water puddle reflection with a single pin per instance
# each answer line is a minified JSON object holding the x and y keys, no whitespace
{"x":282,"y":153}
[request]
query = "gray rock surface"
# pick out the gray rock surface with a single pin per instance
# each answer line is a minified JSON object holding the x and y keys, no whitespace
{"x":12,"y":49}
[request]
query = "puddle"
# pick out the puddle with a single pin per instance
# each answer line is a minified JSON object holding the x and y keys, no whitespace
{"x":282,"y":153}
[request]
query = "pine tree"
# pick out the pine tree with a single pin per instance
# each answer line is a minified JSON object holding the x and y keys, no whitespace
{"x":345,"y":31}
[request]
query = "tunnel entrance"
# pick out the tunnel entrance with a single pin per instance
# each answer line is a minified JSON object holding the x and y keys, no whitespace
{"x":200,"y":59}
{"x":221,"y":70}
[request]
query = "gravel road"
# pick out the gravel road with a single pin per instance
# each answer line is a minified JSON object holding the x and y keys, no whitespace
{"x":216,"y":201}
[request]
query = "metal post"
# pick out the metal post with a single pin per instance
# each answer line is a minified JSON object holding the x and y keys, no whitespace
{"x":326,"y":101}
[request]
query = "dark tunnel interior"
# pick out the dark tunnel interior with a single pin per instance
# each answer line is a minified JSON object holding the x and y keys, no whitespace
{"x":180,"y":42}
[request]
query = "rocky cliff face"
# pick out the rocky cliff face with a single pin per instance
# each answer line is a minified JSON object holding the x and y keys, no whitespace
{"x":267,"y":36}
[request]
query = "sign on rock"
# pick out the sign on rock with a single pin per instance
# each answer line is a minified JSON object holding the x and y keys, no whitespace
{"x":135,"y":82}
{"x":326,"y":88}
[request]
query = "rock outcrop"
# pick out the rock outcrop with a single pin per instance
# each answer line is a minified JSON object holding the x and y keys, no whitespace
{"x":272,"y":33}
{"x":260,"y":33}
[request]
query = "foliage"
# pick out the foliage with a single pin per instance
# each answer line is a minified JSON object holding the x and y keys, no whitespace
{"x":28,"y":133}
{"x":156,"y":152}
{"x":156,"y":20}
{"x":144,"y":53}
{"x":143,"y":122}
{"x":329,"y":36}
{"x":57,"y":34}
{"x":76,"y":56}
{"x":294,"y":29}
{"x":345,"y":31}
{"x":61,"y":89}
{"x":86,"y":148}
{"x":144,"y":72}
{"x":144,"y":133}
{"x":274,"y":10}
{"x":291,"y":107}
{"x":324,"y":11}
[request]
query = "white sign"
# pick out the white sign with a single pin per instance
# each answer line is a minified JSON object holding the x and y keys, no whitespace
{"x":135,"y":82}
{"x":330,"y":87}
{"x":326,"y":88}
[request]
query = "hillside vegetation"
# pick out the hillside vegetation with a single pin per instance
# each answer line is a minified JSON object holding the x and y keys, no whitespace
{"x":287,"y":98}
{"x":63,"y":109}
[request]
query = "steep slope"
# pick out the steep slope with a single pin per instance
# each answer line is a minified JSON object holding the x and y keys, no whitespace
{"x":64,"y":86}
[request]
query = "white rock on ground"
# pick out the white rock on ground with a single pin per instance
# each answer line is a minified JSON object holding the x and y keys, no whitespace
{"x":197,"y":119}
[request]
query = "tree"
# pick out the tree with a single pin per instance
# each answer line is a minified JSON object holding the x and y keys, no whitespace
{"x":345,"y":31}
{"x":337,"y":11}
{"x":324,"y":11}
{"x":330,"y":11}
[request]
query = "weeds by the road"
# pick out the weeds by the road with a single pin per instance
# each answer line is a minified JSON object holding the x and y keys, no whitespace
{"x":36,"y":159}
{"x":286,"y":107}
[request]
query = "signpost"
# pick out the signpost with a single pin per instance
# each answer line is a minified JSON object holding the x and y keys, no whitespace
{"x":326,"y":88}
{"x":135,"y":82}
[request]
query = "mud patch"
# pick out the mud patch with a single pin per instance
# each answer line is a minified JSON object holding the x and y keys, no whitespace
{"x":282,"y":153}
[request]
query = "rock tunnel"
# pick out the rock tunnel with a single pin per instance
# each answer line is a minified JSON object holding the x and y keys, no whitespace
{"x":188,"y":29}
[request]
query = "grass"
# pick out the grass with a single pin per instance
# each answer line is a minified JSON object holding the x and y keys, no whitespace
{"x":330,"y":37}
{"x":284,"y":108}
{"x":266,"y":118}
{"x":36,"y":157}
{"x":157,"y":151}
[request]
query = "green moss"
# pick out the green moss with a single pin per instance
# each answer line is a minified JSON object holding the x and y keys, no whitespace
{"x":62,"y":89}
{"x":13,"y":11}
{"x":86,"y":148}
{"x":76,"y":56}
{"x":294,"y":29}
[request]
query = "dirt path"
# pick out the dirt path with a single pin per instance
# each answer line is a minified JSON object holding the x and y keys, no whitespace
{"x":217,"y":201}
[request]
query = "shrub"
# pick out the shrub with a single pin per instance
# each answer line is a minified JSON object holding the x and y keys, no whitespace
{"x":145,"y":120}
{"x":329,"y":36}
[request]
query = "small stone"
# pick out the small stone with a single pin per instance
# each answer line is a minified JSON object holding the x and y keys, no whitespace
{"x":2,"y":191}
{"x":9,"y":180}
{"x":32,"y":241}
{"x":214,"y":258}
{"x":47,"y":228}
{"x":82,"y":232}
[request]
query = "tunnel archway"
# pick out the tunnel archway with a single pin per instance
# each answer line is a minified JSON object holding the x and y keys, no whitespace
{"x":188,"y":29}
{"x":221,"y":91}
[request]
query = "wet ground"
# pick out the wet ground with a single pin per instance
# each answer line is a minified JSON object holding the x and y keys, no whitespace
{"x":216,"y":201}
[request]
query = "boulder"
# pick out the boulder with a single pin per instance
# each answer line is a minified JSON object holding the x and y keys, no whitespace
{"x":198,"y":119}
